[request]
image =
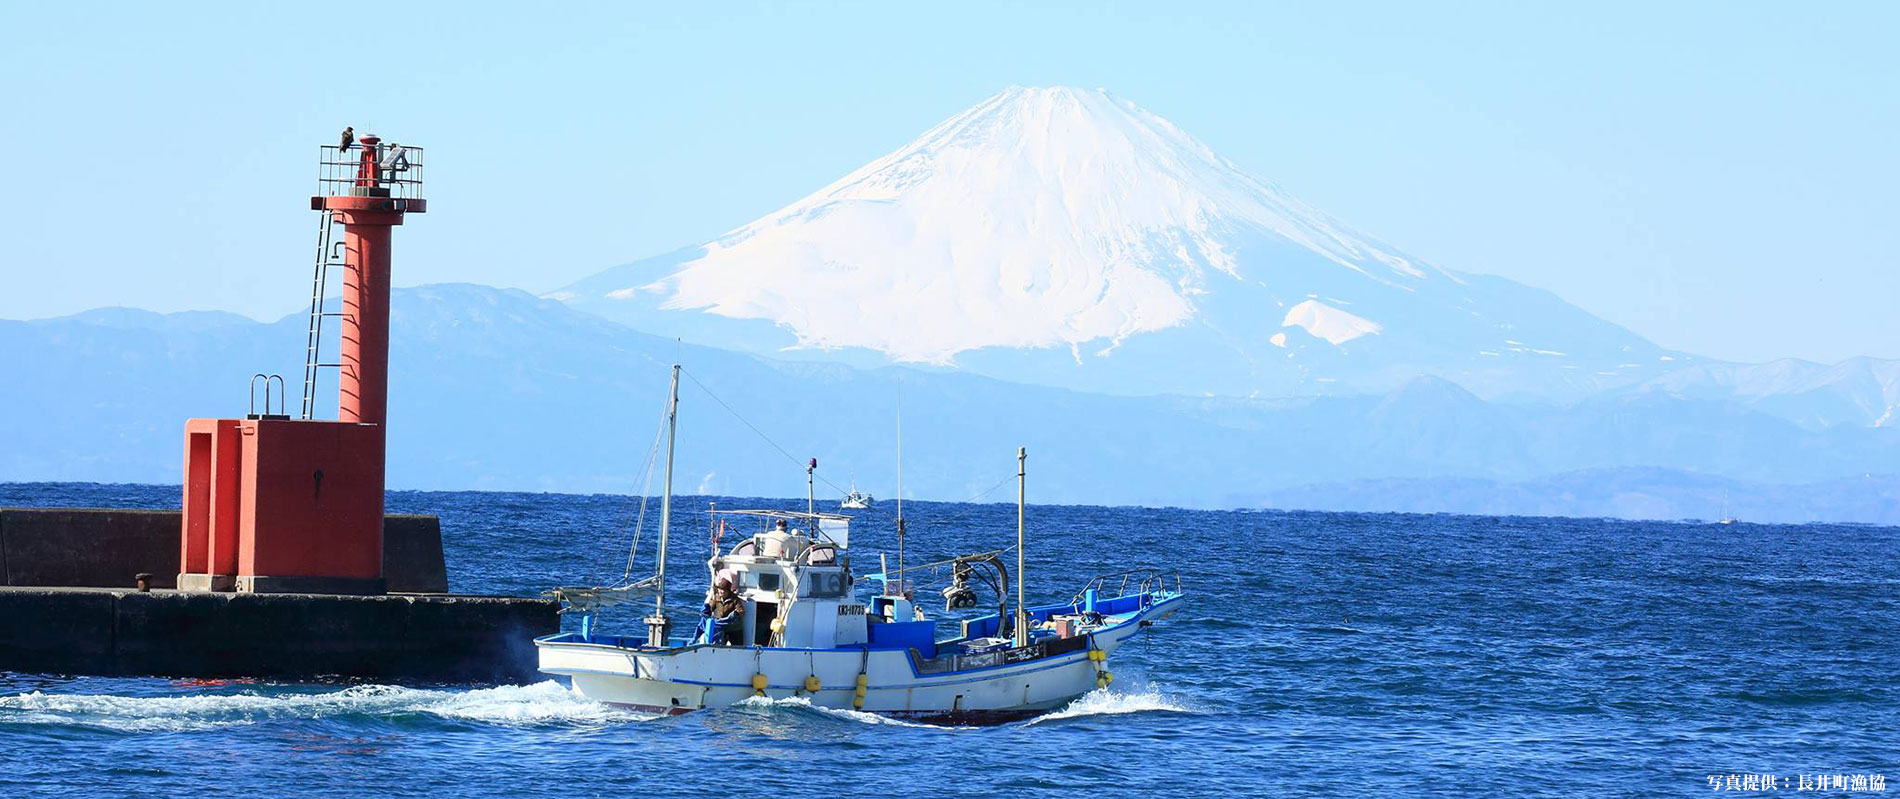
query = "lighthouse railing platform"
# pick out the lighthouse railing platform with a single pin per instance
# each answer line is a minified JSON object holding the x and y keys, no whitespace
{"x":370,"y":169}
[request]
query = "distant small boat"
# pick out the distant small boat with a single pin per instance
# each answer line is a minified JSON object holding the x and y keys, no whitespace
{"x":855,"y":499}
{"x":1726,"y":519}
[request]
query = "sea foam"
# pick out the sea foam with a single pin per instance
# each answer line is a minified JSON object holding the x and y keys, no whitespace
{"x":802,"y":705}
{"x":542,"y":703}
{"x":1109,"y":702}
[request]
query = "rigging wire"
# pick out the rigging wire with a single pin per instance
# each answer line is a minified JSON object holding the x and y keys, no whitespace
{"x":938,"y":564}
{"x":971,"y":501}
{"x":800,"y":462}
{"x":646,"y":484}
{"x":934,"y":570}
{"x":991,"y":490}
{"x":761,"y":434}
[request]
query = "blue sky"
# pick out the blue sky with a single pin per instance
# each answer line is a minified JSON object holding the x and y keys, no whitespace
{"x":1719,"y":177}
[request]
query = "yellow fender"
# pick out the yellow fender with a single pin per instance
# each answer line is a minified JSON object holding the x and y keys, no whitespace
{"x":812,"y":684}
{"x":758,"y":683}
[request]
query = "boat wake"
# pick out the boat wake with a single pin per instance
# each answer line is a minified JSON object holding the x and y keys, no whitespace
{"x":798,"y":704}
{"x":545,"y":703}
{"x":542,"y":703}
{"x":1109,"y":702}
{"x":1147,"y":699}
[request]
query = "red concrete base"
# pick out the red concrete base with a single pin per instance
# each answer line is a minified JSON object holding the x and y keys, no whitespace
{"x":280,"y":499}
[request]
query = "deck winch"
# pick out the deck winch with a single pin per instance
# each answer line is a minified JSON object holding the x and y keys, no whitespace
{"x":958,"y":595}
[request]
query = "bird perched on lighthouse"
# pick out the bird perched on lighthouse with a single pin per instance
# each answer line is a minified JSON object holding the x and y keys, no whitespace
{"x":349,"y":138}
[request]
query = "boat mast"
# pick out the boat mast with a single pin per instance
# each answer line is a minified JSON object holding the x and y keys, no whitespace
{"x":1022,"y":610}
{"x":811,"y":474}
{"x":900,"y":493}
{"x":657,"y":624}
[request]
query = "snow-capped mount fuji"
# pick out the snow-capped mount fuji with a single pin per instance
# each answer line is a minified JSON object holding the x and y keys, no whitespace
{"x":1068,"y":237}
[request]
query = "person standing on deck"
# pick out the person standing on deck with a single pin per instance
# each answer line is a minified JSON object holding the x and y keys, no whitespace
{"x":724,"y":609}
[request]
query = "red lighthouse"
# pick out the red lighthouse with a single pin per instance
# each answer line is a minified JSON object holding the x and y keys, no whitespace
{"x":276,"y":504}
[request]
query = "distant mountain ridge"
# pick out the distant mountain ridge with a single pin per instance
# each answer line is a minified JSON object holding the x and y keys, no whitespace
{"x":1625,"y":493}
{"x":496,"y":389}
{"x":1066,"y":237}
{"x":1855,"y":392}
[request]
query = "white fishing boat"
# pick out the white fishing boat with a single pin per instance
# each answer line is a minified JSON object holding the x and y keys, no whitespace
{"x":802,"y":628}
{"x":855,"y":499}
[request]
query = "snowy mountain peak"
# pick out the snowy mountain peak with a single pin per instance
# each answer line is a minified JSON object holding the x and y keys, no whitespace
{"x":1039,"y":217}
{"x":1116,"y":166}
{"x":1062,"y":224}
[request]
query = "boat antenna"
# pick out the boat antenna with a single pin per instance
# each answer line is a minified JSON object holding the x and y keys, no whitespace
{"x":657,"y":624}
{"x":811,"y":472}
{"x":1022,"y":611}
{"x":900,"y":489}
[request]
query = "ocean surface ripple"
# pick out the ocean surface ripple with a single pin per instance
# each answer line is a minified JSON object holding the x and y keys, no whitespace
{"x":1320,"y":654}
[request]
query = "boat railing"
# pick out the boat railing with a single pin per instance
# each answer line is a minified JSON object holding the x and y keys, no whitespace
{"x":1146,"y":580}
{"x":814,"y":521}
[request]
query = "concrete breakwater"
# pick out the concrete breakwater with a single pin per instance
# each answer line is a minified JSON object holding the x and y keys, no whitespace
{"x":69,"y":606}
{"x":109,"y":547}
{"x":432,"y":637}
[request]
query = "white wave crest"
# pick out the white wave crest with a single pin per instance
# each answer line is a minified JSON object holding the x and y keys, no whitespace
{"x":859,"y":716}
{"x":541,"y":703}
{"x":1108,"y":702}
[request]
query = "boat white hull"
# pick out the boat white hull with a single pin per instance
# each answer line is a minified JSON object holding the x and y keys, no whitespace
{"x":702,"y":677}
{"x":998,"y":695}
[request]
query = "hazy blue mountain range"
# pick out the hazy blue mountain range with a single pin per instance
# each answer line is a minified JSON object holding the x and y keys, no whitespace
{"x":1862,"y":392}
{"x":1630,"y":493}
{"x":498,"y":389}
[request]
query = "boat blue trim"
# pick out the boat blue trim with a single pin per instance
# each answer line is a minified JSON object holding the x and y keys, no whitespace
{"x":566,"y":670}
{"x":1133,"y":619}
{"x":1044,"y":666}
{"x":1026,"y":667}
{"x":1039,"y":665}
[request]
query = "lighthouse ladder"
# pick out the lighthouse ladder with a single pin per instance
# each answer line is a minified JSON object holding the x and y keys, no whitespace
{"x":327,"y":257}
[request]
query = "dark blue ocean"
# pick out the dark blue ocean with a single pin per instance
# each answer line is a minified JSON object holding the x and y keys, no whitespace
{"x":1320,"y":655}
